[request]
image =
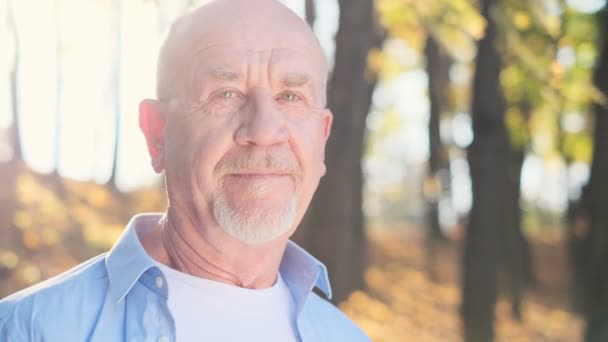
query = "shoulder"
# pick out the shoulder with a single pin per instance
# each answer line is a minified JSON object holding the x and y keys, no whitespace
{"x":71,"y":282}
{"x":328,"y":320}
{"x":22,"y":313}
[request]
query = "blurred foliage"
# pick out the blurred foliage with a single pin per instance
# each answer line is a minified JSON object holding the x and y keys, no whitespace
{"x":548,"y":52}
{"x":455,"y":23}
{"x":403,"y":304}
{"x":54,"y":232}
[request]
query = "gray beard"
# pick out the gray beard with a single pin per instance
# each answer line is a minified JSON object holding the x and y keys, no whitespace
{"x":253,"y":227}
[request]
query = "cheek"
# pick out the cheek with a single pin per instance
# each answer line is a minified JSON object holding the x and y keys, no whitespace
{"x":178,"y":142}
{"x":309,"y":146}
{"x":194,"y":148}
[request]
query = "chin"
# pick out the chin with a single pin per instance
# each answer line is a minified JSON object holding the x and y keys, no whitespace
{"x":255,"y":225}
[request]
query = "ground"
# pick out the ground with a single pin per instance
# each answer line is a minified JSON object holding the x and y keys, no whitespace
{"x":403,"y":304}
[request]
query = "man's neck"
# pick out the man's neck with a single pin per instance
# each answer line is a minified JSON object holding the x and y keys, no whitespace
{"x":179,"y":244}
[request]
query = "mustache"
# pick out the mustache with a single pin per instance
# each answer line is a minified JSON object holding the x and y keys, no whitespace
{"x":281,"y":161}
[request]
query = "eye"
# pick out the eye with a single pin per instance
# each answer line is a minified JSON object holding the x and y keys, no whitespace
{"x":227,"y":94}
{"x":289,"y":96}
{"x":227,"y":100}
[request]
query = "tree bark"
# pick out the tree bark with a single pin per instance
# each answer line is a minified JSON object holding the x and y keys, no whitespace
{"x":515,"y":248}
{"x":54,"y":179}
{"x":117,"y":19}
{"x":333,"y":228}
{"x":437,"y":66}
{"x":590,"y":227}
{"x":516,"y":258}
{"x":438,"y":74}
{"x":487,"y":156}
{"x":9,"y":234}
{"x":15,"y":133}
{"x":59,"y":78}
{"x":311,"y":14}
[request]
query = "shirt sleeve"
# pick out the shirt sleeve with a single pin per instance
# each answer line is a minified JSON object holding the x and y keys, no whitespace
{"x":7,"y":328}
{"x":15,"y":314}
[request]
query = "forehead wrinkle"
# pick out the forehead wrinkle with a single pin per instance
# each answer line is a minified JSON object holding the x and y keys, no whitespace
{"x":231,"y":70}
{"x":224,"y":73}
{"x":226,"y":64}
{"x":295,"y":79}
{"x":274,"y":50}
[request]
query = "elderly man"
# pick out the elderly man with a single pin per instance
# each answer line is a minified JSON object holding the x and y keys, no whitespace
{"x":239,"y":128}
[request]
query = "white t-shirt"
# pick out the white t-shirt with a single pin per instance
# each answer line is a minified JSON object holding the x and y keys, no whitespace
{"x":207,"y":310}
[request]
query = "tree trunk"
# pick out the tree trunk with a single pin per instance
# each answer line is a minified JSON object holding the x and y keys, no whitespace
{"x":59,"y":77}
{"x":117,"y":18}
{"x":515,"y":248}
{"x":437,"y":66}
{"x":590,"y":228}
{"x":54,"y":179}
{"x":487,"y":156}
{"x":15,"y":133}
{"x":333,"y":229}
{"x":311,"y":15}
{"x":516,"y":257}
{"x":9,"y":234}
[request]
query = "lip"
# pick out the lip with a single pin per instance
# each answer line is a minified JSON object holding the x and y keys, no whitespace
{"x":258,"y":175}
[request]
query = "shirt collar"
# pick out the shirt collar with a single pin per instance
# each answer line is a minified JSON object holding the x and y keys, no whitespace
{"x":128,"y":260}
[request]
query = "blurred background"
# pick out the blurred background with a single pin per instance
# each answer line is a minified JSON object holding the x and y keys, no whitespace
{"x":466,"y":197}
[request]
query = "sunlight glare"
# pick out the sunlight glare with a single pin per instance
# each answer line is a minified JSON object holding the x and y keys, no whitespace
{"x":138,"y":81}
{"x":586,"y":6}
{"x":5,"y":65}
{"x":37,"y":86}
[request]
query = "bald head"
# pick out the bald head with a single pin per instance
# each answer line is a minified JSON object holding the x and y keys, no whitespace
{"x":243,"y":25}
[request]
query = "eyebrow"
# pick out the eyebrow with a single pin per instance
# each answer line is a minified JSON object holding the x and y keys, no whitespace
{"x":295,"y":79}
{"x":291,"y":79}
{"x":224,"y":73}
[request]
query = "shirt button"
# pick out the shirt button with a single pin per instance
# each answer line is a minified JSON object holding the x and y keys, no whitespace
{"x":163,"y":338}
{"x":159,"y":283}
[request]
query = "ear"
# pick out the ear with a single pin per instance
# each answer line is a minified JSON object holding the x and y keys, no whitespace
{"x":328,"y":118}
{"x":152,"y":124}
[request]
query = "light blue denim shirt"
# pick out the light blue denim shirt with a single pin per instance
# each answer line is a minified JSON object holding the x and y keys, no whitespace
{"x":122,"y":296}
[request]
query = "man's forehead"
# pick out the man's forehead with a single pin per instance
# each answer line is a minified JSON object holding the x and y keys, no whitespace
{"x":200,"y":41}
{"x":228,"y":63}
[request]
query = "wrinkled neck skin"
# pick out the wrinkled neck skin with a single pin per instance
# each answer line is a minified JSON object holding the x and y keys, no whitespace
{"x":178,"y":243}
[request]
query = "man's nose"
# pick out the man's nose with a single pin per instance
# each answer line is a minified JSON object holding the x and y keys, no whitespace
{"x":263,"y":123}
